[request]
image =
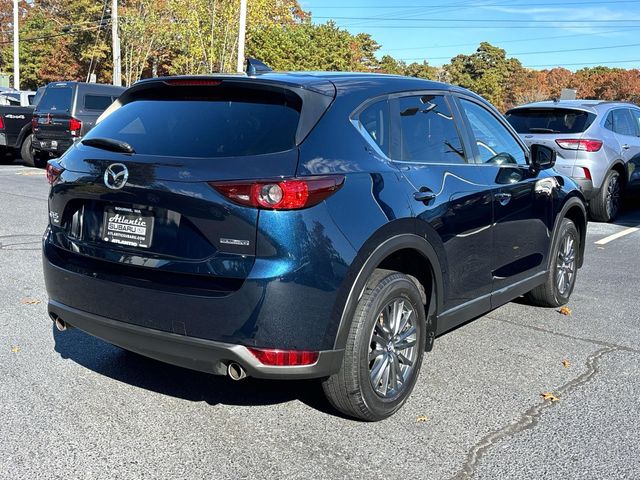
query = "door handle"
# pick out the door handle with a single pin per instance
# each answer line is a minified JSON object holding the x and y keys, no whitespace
{"x":424,"y":195}
{"x":625,"y":147}
{"x":503,"y":198}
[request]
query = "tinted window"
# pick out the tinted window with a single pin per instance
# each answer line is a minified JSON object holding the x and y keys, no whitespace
{"x":375,"y":121}
{"x":31,"y":98}
{"x":495,"y":143}
{"x":56,"y":98}
{"x":428,"y":133}
{"x":12,"y":99}
{"x":236,"y":123}
{"x":620,"y":121}
{"x":97,"y":102}
{"x":552,"y":120}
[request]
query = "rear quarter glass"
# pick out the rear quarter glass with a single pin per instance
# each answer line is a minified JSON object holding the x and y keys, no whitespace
{"x":206,"y":123}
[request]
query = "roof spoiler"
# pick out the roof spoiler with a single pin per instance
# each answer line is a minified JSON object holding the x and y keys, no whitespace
{"x":256,"y":67}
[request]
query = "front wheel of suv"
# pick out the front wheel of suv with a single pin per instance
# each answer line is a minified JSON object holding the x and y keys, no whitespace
{"x":384,"y":349}
{"x":561,"y":278}
{"x":606,"y":205}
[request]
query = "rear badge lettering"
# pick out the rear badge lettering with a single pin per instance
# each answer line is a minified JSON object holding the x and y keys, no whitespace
{"x":233,"y":241}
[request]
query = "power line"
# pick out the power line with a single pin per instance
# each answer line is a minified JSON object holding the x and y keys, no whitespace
{"x":583,"y":63}
{"x":45,"y":37}
{"x":519,"y":40}
{"x":541,"y":52}
{"x":484,"y":20}
{"x":556,"y":4}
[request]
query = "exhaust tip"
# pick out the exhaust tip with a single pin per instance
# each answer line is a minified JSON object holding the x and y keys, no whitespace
{"x":236,"y":372}
{"x":60,"y":324}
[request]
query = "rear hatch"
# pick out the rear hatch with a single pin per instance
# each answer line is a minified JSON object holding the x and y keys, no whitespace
{"x":548,"y":125}
{"x":53,"y":125}
{"x":155,"y":209}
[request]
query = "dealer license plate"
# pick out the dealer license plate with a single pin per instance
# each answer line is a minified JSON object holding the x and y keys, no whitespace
{"x":127,"y":226}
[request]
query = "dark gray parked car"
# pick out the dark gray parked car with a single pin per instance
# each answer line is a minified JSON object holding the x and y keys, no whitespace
{"x":66,"y":112}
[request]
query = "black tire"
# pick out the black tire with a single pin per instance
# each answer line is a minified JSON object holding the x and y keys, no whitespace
{"x":351,"y":390}
{"x":550,"y":294}
{"x":29,"y":156}
{"x":605,"y":206}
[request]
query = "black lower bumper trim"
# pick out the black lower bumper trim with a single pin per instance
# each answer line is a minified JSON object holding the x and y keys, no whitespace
{"x":189,"y":352}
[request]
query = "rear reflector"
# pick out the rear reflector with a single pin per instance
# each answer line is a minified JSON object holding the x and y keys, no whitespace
{"x":34,"y":122}
{"x":284,"y":358}
{"x":193,"y":83}
{"x":579,"y":144}
{"x":1,"y":123}
{"x":54,"y":170}
{"x":289,"y":194}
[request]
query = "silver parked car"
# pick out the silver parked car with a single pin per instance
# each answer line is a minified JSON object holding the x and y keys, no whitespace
{"x":598,"y":145}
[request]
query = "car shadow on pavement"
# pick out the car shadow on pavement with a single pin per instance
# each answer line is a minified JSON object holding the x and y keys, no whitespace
{"x":149,"y":374}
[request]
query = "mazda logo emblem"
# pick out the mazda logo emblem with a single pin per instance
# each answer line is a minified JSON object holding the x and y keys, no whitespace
{"x":116,"y":176}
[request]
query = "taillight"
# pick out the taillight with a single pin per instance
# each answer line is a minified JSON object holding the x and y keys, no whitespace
{"x":34,"y":122}
{"x":284,"y":358}
{"x":54,"y":170}
{"x":289,"y":194}
{"x":75,"y":126}
{"x":579,"y":144}
{"x":1,"y":123}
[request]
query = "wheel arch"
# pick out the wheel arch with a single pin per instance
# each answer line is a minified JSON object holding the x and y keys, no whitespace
{"x":408,"y":253}
{"x":620,"y":167}
{"x":574,"y":209}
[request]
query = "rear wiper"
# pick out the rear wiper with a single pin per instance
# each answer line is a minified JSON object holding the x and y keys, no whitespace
{"x":543,"y":130}
{"x":110,"y":144}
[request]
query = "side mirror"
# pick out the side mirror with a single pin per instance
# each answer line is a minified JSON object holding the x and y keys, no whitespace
{"x":542,"y":157}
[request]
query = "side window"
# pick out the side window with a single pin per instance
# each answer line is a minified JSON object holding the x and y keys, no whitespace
{"x":622,"y":122}
{"x":97,"y":102}
{"x":427,"y":131}
{"x":495,"y":143}
{"x":375,"y":121}
{"x":635,"y":115}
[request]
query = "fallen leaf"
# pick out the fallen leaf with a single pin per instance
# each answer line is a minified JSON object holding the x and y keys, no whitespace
{"x":565,"y":311}
{"x":566,"y":363}
{"x":549,"y":396}
{"x":15,"y":349}
{"x":422,"y":418}
{"x":30,"y":301}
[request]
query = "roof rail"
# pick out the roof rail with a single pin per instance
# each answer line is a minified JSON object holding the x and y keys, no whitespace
{"x":256,"y":67}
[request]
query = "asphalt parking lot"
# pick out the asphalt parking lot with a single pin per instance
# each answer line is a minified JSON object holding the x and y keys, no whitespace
{"x":72,"y":406}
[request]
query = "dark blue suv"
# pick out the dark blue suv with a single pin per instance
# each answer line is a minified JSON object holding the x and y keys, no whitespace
{"x":304,"y":225}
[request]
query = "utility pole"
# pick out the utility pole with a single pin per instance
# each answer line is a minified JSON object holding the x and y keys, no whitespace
{"x":16,"y":49}
{"x":241,"y":34}
{"x":117,"y":68}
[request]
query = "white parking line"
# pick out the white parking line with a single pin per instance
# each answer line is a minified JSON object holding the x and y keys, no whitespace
{"x":618,"y":235}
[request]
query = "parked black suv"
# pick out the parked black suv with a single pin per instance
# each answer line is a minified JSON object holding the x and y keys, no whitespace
{"x":67,"y":111}
{"x":304,"y":225}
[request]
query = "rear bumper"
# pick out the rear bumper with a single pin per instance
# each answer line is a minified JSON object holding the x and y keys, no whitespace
{"x":45,"y":145}
{"x":587,"y":188}
{"x":194,"y":353}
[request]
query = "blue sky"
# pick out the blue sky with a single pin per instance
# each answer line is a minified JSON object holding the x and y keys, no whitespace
{"x":570,"y":33}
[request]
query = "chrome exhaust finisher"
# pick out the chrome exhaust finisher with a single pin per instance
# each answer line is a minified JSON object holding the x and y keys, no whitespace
{"x":60,"y":324}
{"x":236,"y":372}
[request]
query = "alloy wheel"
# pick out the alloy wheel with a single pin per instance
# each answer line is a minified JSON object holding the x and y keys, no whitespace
{"x":613,"y":196}
{"x":566,"y":265}
{"x":392,"y":349}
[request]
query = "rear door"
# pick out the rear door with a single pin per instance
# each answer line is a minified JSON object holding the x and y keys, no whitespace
{"x":522,"y":205}
{"x":626,"y":127}
{"x":633,"y":165}
{"x":450,"y":192}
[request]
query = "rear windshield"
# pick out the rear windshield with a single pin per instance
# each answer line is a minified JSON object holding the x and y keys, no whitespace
{"x":552,"y":120}
{"x":56,"y":98}
{"x":233,"y":124}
